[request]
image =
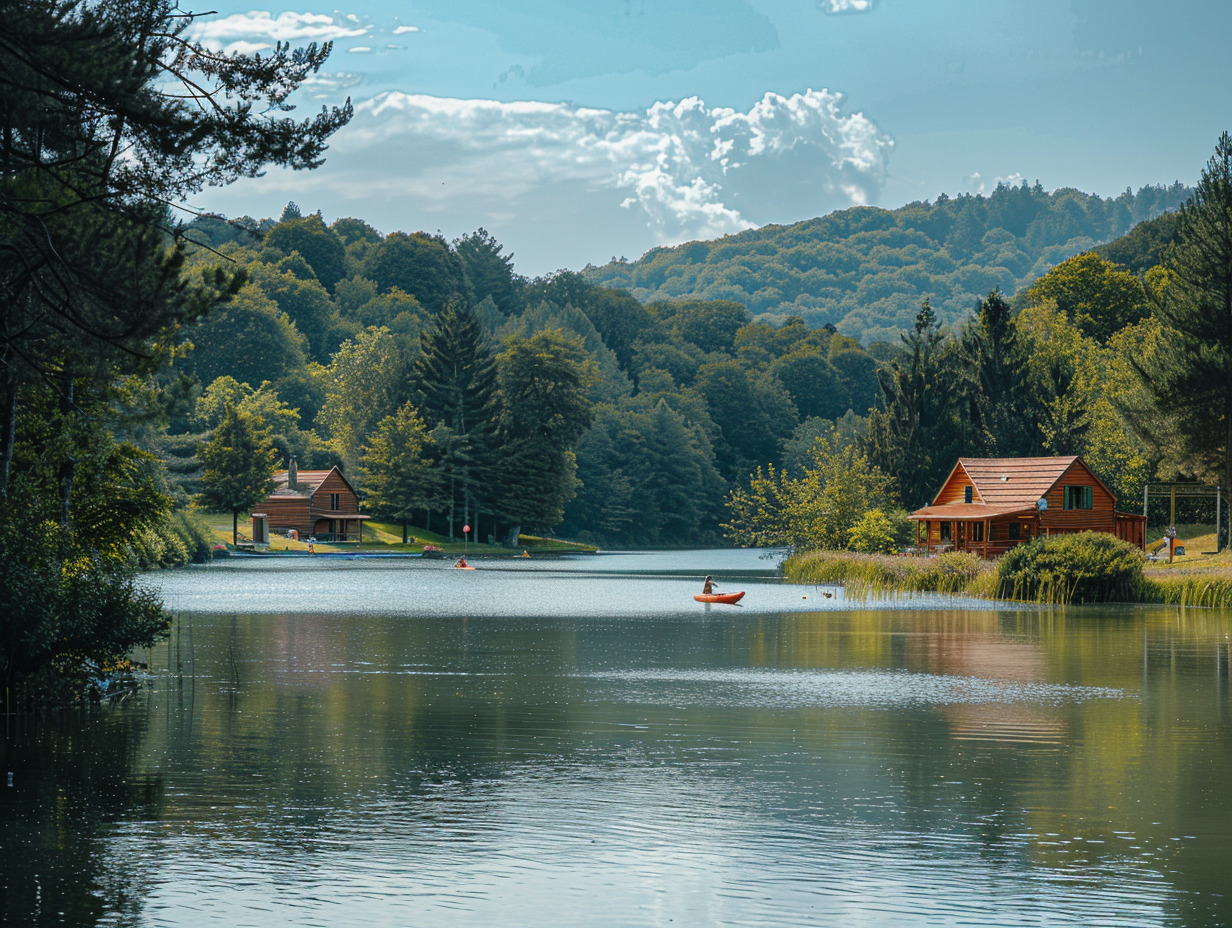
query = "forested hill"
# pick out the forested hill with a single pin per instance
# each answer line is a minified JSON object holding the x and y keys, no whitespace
{"x":867,"y":270}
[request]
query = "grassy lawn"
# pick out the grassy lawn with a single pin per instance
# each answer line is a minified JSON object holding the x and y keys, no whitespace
{"x":1199,"y":559}
{"x":386,"y":537}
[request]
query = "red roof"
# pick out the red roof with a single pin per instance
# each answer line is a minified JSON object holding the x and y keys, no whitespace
{"x":1013,"y":481}
{"x":1001,"y":486}
{"x":969,"y":511}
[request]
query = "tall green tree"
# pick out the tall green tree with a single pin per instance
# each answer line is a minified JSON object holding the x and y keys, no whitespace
{"x":109,"y":111}
{"x":489,"y":272}
{"x":399,"y":468}
{"x":456,"y":378}
{"x":239,"y":466}
{"x":1099,"y":297}
{"x":1191,"y":376}
{"x":1000,"y":424}
{"x":544,"y":381}
{"x":914,"y":432}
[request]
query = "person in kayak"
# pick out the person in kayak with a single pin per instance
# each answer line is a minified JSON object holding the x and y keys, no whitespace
{"x":708,"y":586}
{"x":461,"y":562}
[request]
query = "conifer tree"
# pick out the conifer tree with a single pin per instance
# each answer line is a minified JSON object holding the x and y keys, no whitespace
{"x":914,"y":432}
{"x":456,"y":379}
{"x":1191,"y":376}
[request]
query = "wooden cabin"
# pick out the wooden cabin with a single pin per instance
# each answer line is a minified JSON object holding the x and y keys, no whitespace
{"x":316,"y":504}
{"x":989,"y":505}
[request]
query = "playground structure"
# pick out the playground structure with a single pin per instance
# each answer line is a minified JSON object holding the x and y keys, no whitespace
{"x":1191,"y":496}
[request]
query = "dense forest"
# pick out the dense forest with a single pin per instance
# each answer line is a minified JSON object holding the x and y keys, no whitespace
{"x":865,"y":270}
{"x":452,"y":390}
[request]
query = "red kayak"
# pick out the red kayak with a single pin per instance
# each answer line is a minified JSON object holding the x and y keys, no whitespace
{"x":730,"y":598}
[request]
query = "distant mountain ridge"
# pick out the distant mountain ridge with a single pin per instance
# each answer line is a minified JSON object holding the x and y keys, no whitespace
{"x":866,"y":270}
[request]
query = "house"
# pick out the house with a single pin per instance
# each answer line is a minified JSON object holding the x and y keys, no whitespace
{"x":989,"y":505}
{"x":313,"y":503}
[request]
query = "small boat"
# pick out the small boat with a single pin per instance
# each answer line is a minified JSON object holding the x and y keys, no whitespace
{"x":730,"y":598}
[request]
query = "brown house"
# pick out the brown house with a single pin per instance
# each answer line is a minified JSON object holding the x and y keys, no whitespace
{"x":988,"y":505}
{"x":316,"y":504}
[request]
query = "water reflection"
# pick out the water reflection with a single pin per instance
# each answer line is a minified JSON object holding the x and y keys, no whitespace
{"x":417,"y":761}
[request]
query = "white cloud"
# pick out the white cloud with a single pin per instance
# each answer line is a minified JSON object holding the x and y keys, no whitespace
{"x":692,"y":171}
{"x":260,"y":29}
{"x":360,"y":49}
{"x":563,"y":185}
{"x":847,"y":6}
{"x":402,"y":30}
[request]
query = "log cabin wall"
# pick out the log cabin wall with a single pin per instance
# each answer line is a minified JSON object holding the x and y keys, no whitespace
{"x":348,"y":502}
{"x":954,"y":490}
{"x":1057,"y":520}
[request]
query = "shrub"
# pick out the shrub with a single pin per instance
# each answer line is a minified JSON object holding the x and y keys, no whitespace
{"x":1087,"y":567}
{"x":872,"y":534}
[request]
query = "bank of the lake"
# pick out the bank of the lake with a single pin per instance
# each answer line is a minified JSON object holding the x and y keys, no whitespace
{"x":1202,"y":581}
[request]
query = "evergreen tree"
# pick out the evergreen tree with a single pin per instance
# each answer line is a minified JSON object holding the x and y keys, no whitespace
{"x":999,"y":423}
{"x":456,"y":378}
{"x":1191,"y":377}
{"x":489,"y":272}
{"x":239,"y":466}
{"x":544,"y":380}
{"x":914,"y":432}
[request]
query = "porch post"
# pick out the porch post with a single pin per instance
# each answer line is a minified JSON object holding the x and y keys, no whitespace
{"x":987,"y":531}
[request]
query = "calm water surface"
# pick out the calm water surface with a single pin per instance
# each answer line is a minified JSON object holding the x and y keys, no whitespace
{"x":389,"y":742}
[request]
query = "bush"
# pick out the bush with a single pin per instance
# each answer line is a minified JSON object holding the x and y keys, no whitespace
{"x":181,"y":538}
{"x":1087,"y":567}
{"x":872,"y":534}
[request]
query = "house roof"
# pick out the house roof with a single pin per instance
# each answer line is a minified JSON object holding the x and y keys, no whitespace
{"x":972,"y":511}
{"x":1013,"y":481}
{"x":1002,"y":486}
{"x":307,"y":482}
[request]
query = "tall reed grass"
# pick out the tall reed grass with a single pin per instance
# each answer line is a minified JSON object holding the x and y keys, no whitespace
{"x":864,"y":574}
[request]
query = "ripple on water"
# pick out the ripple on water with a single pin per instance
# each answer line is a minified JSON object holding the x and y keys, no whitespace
{"x":738,"y":688}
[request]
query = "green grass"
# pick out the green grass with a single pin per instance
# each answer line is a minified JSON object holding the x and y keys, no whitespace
{"x":386,"y":537}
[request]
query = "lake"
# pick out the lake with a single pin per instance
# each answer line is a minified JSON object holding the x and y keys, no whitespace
{"x":391,"y":742}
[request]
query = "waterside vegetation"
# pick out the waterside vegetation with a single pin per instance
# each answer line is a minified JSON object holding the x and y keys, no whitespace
{"x":1087,"y":567}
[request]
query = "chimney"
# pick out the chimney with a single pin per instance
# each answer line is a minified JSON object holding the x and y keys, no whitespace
{"x":292,"y":475}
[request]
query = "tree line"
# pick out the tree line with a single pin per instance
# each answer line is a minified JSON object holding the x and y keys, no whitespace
{"x":866,"y":270}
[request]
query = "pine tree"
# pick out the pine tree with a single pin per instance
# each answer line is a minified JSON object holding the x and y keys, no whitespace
{"x":456,"y":379}
{"x":914,"y":433}
{"x":1191,"y":377}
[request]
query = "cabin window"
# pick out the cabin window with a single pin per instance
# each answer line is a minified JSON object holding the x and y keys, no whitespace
{"x":335,"y":501}
{"x":977,"y":531}
{"x":945,"y":531}
{"x":1078,"y":498}
{"x":1015,"y":531}
{"x":967,"y":491}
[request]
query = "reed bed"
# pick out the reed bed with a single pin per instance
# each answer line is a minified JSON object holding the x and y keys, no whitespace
{"x":1191,"y":589}
{"x":1082,"y":568}
{"x":863,"y":574}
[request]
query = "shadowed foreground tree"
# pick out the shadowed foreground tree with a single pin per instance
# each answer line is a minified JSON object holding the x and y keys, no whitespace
{"x":109,"y":113}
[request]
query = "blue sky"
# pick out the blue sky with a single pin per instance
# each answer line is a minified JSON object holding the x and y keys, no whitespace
{"x":576,"y":131}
